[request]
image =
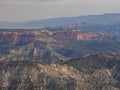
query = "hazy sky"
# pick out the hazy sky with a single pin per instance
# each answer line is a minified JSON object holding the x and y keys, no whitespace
{"x":23,"y":10}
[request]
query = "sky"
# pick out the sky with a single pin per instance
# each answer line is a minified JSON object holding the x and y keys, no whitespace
{"x":25,"y":10}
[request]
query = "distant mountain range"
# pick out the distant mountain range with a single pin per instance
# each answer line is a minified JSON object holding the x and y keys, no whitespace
{"x":104,"y":19}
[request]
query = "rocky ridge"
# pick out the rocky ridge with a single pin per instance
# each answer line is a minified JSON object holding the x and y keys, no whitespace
{"x":31,"y":75}
{"x":77,"y":35}
{"x":47,"y":36}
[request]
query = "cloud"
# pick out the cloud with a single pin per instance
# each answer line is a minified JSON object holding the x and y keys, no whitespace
{"x":39,"y":1}
{"x":14,"y":10}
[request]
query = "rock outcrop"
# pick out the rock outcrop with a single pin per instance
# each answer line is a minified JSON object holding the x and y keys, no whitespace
{"x":26,"y":37}
{"x":77,"y":35}
{"x":46,"y":36}
{"x":27,"y":75}
{"x":72,"y":75}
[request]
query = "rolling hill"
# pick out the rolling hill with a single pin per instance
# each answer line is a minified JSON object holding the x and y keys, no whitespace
{"x":105,"y":19}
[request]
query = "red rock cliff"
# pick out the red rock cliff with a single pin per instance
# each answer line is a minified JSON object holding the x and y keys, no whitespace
{"x":75,"y":35}
{"x":14,"y":37}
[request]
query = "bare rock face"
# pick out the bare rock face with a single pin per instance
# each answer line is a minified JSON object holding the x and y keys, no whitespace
{"x":32,"y":61}
{"x":46,"y":36}
{"x":9,"y":37}
{"x":27,"y":37}
{"x":31,"y":75}
{"x":93,"y":72}
{"x":76,"y":35}
{"x":25,"y":75}
{"x":41,"y":45}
